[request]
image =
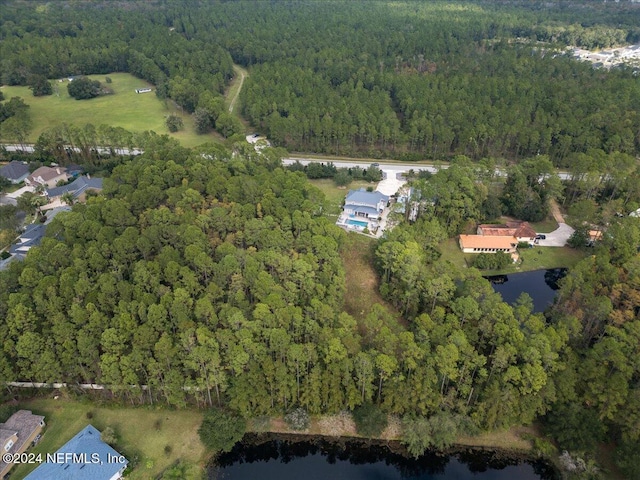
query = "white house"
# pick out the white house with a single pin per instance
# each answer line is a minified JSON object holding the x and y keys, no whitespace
{"x":365,"y":204}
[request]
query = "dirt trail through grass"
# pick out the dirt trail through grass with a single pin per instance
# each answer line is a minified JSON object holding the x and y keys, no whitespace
{"x":555,"y":211}
{"x":236,"y":86}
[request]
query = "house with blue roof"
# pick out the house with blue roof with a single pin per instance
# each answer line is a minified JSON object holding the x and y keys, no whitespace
{"x":361,"y":203}
{"x":84,"y":457}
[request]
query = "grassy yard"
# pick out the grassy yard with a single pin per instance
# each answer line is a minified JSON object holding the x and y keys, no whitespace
{"x":547,"y":225}
{"x":537,"y":258}
{"x":125,"y":108}
{"x":147,"y":433}
{"x":361,"y":279}
{"x":450,"y":250}
{"x":335,"y":195}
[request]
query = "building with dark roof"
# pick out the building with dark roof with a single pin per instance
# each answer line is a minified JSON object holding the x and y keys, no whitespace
{"x":18,"y":433}
{"x":84,"y":457}
{"x":76,"y":188}
{"x":31,"y":237}
{"x":15,"y":172}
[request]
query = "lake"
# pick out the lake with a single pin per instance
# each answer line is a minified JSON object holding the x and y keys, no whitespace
{"x":540,"y":285}
{"x":356,"y":460}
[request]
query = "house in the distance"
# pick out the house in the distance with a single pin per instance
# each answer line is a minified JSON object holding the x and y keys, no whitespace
{"x":47,"y":176}
{"x":84,"y":457}
{"x":31,"y":237}
{"x":15,"y":172}
{"x":77,"y":188}
{"x":522,"y":231}
{"x":361,"y":203}
{"x":18,"y":433}
{"x":488,"y":244}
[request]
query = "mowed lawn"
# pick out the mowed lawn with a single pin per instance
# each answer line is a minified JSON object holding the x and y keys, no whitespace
{"x":142,"y":432}
{"x":135,"y":112}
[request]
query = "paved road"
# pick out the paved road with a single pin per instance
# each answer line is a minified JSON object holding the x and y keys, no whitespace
{"x":103,"y":150}
{"x":394,"y":167}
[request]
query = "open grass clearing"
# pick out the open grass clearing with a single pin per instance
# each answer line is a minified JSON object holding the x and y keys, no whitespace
{"x":144,"y":432}
{"x":547,"y":225}
{"x":362,"y":282}
{"x":541,"y":258}
{"x":511,"y":439}
{"x":135,"y":112}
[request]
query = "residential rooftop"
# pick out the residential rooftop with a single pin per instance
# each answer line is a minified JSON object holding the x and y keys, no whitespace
{"x":88,"y":446}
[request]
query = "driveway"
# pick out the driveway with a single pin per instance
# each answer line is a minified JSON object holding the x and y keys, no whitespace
{"x":391,"y":183}
{"x":557,"y":238}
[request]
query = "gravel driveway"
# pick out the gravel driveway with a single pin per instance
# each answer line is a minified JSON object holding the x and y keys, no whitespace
{"x":557,"y":238}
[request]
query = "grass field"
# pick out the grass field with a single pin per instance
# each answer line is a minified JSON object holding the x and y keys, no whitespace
{"x":142,"y":432}
{"x":547,"y":225}
{"x":362,"y":281}
{"x":125,"y":108}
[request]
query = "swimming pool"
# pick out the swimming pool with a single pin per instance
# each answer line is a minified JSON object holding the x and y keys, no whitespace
{"x":358,"y":222}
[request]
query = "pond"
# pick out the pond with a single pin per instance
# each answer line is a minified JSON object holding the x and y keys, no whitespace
{"x":541,"y":285}
{"x":319,"y":459}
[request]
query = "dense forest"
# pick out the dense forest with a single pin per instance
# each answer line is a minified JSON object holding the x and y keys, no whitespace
{"x":214,"y":278}
{"x":411,"y":80}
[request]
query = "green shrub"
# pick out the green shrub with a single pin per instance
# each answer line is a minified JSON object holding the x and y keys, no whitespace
{"x":370,"y":420}
{"x":83,"y":88}
{"x":174,"y":123}
{"x":108,"y":435}
{"x":220,"y":430}
{"x":492,"y":261}
{"x":6,"y":411}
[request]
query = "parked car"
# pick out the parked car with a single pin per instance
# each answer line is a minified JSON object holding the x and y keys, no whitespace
{"x":375,"y":164}
{"x":541,"y":237}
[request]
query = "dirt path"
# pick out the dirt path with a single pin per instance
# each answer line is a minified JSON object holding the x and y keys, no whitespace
{"x":242,"y":73}
{"x":555,"y":211}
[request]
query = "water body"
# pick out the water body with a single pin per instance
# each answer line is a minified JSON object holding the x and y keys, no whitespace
{"x":353,"y":460}
{"x":540,"y":285}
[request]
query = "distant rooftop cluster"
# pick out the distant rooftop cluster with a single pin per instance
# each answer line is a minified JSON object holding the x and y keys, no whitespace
{"x":611,"y":57}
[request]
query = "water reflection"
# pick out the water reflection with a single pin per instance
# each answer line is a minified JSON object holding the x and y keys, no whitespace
{"x":540,"y":285}
{"x":354,"y":460}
